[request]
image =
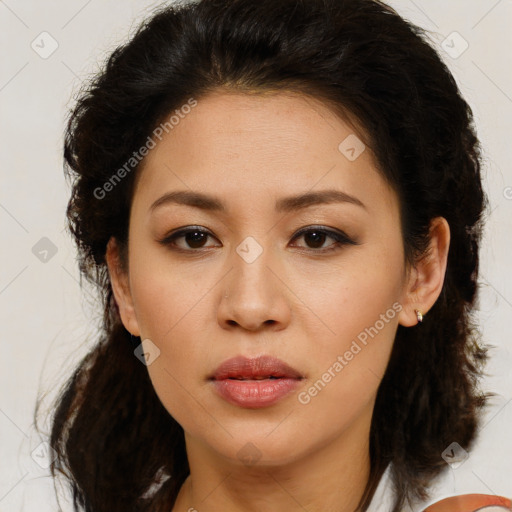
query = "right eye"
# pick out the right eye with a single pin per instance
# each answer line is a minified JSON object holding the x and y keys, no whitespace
{"x":195,"y":237}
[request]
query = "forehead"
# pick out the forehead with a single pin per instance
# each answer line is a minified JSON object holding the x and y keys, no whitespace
{"x":248,"y":146}
{"x":231,"y":123}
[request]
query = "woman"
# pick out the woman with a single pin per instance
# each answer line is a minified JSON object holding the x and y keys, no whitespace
{"x":281,"y":206}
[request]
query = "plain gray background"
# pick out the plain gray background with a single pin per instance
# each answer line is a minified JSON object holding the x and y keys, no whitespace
{"x":48,"y":322}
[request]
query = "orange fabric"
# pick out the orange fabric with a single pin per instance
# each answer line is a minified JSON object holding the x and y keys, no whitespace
{"x":470,"y":503}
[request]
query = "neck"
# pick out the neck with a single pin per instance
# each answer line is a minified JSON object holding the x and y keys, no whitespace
{"x":331,"y":478}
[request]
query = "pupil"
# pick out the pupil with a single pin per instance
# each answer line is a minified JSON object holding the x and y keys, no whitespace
{"x":316,"y":237}
{"x":195,"y":238}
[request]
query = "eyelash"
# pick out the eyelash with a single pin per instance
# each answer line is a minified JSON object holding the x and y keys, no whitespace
{"x":340,"y":238}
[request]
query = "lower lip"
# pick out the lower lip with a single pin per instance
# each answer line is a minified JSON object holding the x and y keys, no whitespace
{"x":255,"y":394}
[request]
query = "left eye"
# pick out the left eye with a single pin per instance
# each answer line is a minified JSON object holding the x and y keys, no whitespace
{"x":314,"y":237}
{"x":317,"y":236}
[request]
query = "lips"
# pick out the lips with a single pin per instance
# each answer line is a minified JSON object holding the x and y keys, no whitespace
{"x":254,"y":383}
{"x":259,"y":368}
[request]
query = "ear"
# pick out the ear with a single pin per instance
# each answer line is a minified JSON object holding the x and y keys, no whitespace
{"x":426,"y":279}
{"x":121,"y":287}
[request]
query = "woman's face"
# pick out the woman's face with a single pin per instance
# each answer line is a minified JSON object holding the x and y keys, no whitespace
{"x":250,"y":284}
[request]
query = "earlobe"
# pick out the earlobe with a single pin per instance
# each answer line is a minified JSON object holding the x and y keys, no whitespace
{"x":427,"y":279}
{"x":121,"y":288}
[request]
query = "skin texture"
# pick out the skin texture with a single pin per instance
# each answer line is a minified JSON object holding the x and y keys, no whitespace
{"x":293,"y":301}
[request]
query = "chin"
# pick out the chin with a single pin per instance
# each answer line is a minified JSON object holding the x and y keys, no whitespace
{"x":260,"y":450}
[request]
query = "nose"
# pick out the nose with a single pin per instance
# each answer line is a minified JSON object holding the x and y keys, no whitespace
{"x":255,"y":295}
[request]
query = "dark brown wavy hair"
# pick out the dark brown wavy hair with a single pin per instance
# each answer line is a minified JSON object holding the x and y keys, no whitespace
{"x":112,"y":435}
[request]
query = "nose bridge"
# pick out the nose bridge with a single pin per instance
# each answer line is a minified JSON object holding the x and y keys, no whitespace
{"x":251,"y":259}
{"x":253,"y":295}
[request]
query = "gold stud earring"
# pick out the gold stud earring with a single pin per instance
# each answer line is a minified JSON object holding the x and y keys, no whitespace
{"x":419,"y":315}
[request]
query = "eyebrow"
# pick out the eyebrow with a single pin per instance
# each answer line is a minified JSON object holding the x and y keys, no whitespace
{"x":283,"y":205}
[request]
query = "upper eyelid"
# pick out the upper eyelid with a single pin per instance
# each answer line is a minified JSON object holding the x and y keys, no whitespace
{"x":298,"y":232}
{"x":332,"y":233}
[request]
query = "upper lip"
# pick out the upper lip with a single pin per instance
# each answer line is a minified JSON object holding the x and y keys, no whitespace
{"x":247,"y":368}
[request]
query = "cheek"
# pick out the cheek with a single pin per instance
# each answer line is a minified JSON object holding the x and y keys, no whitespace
{"x":163,"y":297}
{"x":179,"y":370}
{"x":168,"y":309}
{"x":360,"y":312}
{"x":358,"y":301}
{"x":342,"y":390}
{"x":354,"y":359}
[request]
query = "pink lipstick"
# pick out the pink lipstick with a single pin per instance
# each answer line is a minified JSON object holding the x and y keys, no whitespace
{"x":254,"y":382}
